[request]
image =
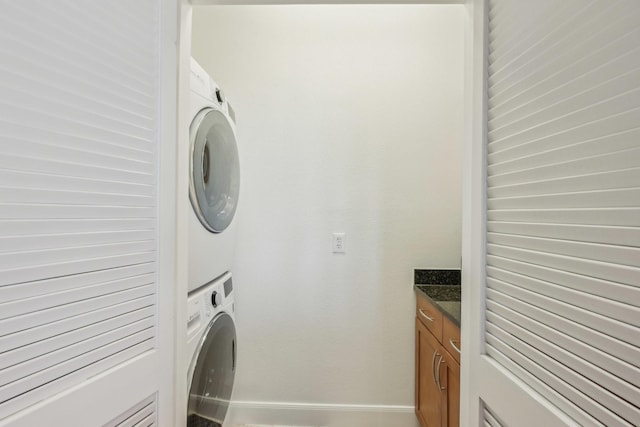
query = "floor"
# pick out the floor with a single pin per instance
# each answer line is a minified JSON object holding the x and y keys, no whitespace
{"x":261,"y":425}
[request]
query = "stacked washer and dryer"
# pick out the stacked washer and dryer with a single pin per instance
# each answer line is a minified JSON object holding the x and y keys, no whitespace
{"x":213,"y":193}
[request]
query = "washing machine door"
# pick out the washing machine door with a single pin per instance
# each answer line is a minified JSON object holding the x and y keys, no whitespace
{"x":215,"y":170}
{"x":213,"y":373}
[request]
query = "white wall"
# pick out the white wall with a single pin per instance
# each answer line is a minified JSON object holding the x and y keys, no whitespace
{"x":350,"y":120}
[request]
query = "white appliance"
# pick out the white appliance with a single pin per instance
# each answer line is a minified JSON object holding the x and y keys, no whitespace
{"x":211,"y":343}
{"x":214,"y":180}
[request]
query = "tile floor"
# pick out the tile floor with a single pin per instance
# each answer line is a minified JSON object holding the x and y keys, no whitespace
{"x":262,"y":425}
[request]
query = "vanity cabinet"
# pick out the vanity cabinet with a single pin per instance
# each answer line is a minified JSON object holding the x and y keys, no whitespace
{"x":450,"y":380}
{"x":437,"y":392}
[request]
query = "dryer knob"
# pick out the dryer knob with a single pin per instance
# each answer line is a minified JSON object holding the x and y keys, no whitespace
{"x":216,"y":299}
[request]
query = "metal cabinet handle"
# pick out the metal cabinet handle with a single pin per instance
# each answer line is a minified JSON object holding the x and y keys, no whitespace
{"x":421,"y":311}
{"x":433,"y":365}
{"x":455,"y":347}
{"x":438,"y":378}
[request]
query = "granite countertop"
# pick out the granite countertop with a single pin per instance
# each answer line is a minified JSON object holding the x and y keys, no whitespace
{"x":442,"y":289}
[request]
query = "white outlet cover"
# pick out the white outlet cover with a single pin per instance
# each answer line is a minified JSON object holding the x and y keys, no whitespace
{"x":339,"y":243}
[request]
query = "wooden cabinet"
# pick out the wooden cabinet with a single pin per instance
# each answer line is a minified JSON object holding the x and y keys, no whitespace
{"x":451,"y":338}
{"x":430,"y":316}
{"x":450,"y":380}
{"x":428,"y":395}
{"x":437,"y":394}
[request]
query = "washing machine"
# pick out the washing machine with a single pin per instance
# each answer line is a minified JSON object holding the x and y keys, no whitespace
{"x":211,"y":343}
{"x":214,"y":182}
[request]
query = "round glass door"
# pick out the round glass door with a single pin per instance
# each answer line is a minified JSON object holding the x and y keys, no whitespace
{"x":213,"y":373}
{"x":215,"y":170}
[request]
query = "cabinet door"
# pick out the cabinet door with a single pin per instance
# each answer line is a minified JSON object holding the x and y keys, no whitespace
{"x":449,"y":376}
{"x":428,"y":395}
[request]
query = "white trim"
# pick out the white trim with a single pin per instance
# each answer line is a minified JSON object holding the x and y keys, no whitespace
{"x":167,"y":221}
{"x":473,"y":212}
{"x":324,"y":406}
{"x":303,"y":2}
{"x":182,"y":359}
{"x":320,"y":414}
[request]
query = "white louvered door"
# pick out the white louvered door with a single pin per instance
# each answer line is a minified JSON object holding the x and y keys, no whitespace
{"x":560,"y":329}
{"x":80,"y":109}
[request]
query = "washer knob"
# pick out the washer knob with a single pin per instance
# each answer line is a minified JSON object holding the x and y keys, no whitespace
{"x":220,"y":96}
{"x":216,"y":299}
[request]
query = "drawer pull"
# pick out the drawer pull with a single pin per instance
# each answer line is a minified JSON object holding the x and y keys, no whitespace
{"x":421,"y":311}
{"x":433,"y":365}
{"x":438,"y":369}
{"x":455,"y":347}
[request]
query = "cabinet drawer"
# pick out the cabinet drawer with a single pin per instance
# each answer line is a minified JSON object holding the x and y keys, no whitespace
{"x":430,"y":317}
{"x":451,"y":338}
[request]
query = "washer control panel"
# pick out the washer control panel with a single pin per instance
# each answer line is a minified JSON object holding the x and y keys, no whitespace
{"x":204,"y":303}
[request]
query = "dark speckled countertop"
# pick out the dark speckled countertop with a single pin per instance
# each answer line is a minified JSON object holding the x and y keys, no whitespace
{"x":444,"y":293}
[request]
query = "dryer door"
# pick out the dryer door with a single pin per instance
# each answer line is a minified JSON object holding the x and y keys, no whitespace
{"x":215,"y":170}
{"x":213,"y":371}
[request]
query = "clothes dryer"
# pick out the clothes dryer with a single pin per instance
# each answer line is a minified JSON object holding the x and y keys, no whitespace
{"x":211,"y":343}
{"x":214,"y":181}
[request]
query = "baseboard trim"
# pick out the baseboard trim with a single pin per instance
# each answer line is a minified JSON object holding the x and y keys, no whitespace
{"x":320,"y":414}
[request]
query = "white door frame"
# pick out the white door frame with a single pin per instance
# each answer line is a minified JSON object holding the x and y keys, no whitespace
{"x":469,"y":287}
{"x":172,"y":255}
{"x":473,"y":208}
